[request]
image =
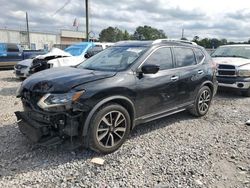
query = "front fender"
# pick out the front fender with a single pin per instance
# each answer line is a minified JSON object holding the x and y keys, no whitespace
{"x":101,"y":103}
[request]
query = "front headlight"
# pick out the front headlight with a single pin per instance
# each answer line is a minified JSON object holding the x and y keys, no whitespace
{"x":55,"y":100}
{"x":244,"y":73}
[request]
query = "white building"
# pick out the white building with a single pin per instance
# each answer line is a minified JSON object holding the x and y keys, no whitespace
{"x":41,"y":40}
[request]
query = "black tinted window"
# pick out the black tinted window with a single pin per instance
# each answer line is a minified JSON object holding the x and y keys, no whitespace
{"x":161,"y":57}
{"x":184,"y":57}
{"x":12,"y":48}
{"x":199,"y":55}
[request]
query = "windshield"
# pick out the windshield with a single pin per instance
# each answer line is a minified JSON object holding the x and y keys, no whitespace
{"x":76,"y":50}
{"x":232,"y":51}
{"x":113,"y":58}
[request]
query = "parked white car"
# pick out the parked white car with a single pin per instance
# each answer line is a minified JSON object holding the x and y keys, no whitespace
{"x":22,"y":68}
{"x":71,"y":56}
{"x":233,"y":67}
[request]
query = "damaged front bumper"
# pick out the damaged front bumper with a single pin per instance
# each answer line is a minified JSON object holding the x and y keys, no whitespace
{"x":49,"y":129}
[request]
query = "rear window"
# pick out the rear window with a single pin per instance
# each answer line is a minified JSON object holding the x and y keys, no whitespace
{"x":12,"y":48}
{"x":184,"y":57}
{"x":199,"y":55}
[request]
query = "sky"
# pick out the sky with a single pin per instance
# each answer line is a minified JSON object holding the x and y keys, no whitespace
{"x":212,"y":19}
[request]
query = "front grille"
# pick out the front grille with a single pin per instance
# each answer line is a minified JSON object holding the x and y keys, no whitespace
{"x":226,"y":70}
{"x":226,"y":67}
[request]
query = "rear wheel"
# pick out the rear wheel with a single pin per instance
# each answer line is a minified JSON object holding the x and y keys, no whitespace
{"x":202,"y":102}
{"x":246,"y":93}
{"x":110,"y":126}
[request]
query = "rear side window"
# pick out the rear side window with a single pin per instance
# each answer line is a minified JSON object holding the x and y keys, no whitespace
{"x":184,"y":57}
{"x":161,"y":57}
{"x":12,"y":48}
{"x":199,"y":55}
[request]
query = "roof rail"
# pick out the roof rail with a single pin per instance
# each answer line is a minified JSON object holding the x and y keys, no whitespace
{"x":174,"y":40}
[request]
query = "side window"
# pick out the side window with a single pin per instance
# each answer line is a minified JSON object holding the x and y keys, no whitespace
{"x":184,"y":57}
{"x":199,"y":55}
{"x":161,"y":57}
{"x":12,"y":48}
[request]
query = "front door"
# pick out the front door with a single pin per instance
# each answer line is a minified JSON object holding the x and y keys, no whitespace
{"x":157,"y":92}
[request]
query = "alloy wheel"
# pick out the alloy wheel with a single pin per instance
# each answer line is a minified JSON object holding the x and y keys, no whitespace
{"x":204,"y":101}
{"x":111,"y":129}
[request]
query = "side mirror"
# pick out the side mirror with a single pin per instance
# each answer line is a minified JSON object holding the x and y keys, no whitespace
{"x":150,"y":69}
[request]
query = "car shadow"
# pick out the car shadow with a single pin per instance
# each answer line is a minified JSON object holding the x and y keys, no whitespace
{"x":8,"y":91}
{"x":229,"y":93}
{"x":145,"y":128}
{"x":18,"y":155}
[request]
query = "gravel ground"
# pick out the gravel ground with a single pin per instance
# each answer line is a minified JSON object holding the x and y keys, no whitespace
{"x":176,"y":151}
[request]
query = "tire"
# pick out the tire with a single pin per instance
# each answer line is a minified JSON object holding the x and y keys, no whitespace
{"x":202,"y":102}
{"x":246,"y":93}
{"x":106,"y":136}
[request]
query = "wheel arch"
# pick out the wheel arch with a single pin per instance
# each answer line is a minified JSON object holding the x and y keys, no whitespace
{"x":208,"y":84}
{"x":121,"y":100}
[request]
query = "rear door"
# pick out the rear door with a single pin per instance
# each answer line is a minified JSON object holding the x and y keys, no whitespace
{"x":157,"y":92}
{"x":191,"y":72}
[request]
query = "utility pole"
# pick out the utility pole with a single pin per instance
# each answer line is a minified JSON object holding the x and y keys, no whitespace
{"x":182,"y":34}
{"x":28,"y":31}
{"x":87,"y":19}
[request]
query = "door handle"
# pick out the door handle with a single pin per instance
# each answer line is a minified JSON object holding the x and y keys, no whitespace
{"x":200,"y":71}
{"x":175,"y":78}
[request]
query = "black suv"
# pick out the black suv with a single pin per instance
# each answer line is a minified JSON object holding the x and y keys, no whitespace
{"x":99,"y":102}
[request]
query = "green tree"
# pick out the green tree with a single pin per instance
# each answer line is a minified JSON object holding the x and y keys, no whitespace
{"x":108,"y":35}
{"x":196,"y":39}
{"x":126,"y":35}
{"x":113,"y":34}
{"x":148,"y":33}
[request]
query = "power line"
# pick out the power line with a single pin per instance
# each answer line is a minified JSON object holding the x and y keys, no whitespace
{"x":64,"y":5}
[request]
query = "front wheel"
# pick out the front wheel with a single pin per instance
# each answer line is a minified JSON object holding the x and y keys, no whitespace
{"x":202,"y":102}
{"x":109,"y":128}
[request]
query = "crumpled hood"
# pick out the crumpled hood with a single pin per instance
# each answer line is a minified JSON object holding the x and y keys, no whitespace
{"x":231,"y":61}
{"x":54,"y":52}
{"x":67,"y":61}
{"x":26,"y":62}
{"x":62,"y":79}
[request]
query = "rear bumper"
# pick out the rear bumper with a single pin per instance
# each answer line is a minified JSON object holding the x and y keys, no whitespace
{"x":234,"y":82}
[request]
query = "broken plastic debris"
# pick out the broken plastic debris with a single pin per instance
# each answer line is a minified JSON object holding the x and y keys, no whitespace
{"x":248,"y":122}
{"x":96,"y":160}
{"x":198,"y":182}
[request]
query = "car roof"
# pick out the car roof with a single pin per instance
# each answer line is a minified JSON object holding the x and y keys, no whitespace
{"x":238,"y":45}
{"x":156,"y":42}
